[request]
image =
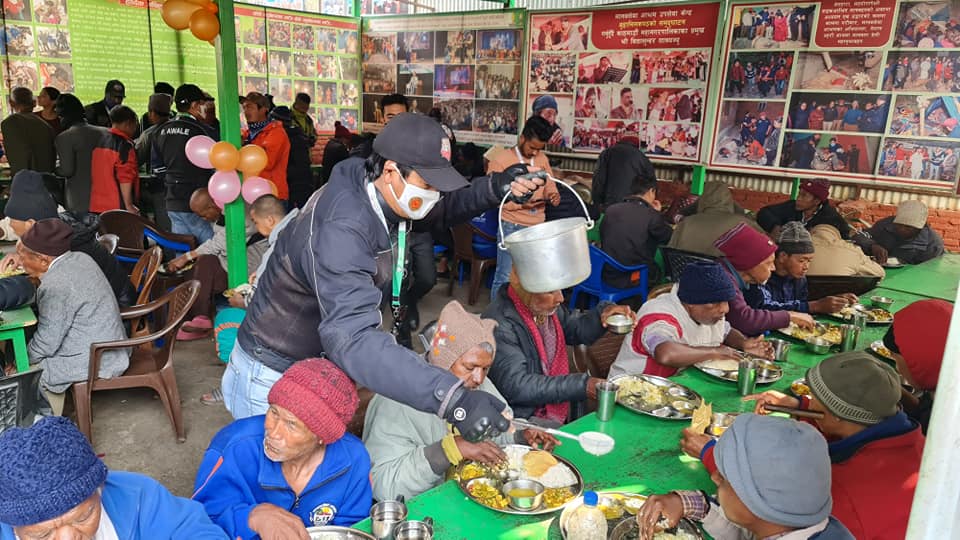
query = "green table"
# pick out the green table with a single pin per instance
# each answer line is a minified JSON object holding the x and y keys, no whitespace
{"x":12,"y":327}
{"x":936,"y":278}
{"x":646,"y":459}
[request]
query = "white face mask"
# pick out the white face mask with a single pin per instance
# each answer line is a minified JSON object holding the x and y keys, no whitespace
{"x":416,"y":202}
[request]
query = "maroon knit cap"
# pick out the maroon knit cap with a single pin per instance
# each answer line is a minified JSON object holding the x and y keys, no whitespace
{"x":50,"y":237}
{"x":818,"y":187}
{"x":744,"y":247}
{"x":320,"y":395}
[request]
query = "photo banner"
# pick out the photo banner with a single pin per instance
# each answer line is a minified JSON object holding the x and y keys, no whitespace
{"x":640,"y":74}
{"x":469,"y":66}
{"x":861,"y":90}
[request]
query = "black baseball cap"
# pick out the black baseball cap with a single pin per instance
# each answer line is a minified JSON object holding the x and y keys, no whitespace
{"x":187,"y":94}
{"x":418,"y":142}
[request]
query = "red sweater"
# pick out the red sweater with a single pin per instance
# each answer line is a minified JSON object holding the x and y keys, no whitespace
{"x":114,"y":162}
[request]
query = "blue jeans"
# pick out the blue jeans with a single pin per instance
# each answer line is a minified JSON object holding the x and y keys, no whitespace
{"x":245,"y":384}
{"x":504,"y":262}
{"x":190,"y":223}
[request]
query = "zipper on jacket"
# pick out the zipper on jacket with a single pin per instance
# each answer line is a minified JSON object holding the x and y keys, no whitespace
{"x":298,"y":498}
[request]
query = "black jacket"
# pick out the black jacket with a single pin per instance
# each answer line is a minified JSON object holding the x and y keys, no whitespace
{"x":334,"y":152}
{"x":16,"y":291}
{"x":516,"y":370}
{"x":779,"y":214}
{"x":299,"y":174}
{"x":97,"y":114}
{"x":85,"y":241}
{"x":923,"y":247}
{"x":181,"y":177}
{"x":324,"y":280}
{"x":617,"y":168}
{"x":631,"y":232}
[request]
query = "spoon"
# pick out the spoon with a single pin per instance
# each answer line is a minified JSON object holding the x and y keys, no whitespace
{"x":592,"y":442}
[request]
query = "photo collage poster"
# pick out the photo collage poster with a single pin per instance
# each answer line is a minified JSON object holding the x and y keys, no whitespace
{"x":640,"y":74}
{"x":283,"y":54}
{"x":860,"y":90}
{"x":35,"y":46}
{"x":469,"y":66}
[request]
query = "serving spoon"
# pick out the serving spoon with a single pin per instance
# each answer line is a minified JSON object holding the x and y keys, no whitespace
{"x":592,"y":442}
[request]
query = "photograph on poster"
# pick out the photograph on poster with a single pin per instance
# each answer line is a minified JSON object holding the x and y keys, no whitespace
{"x":304,"y":37}
{"x":16,"y":10}
{"x":281,"y":90}
{"x":305,"y":87}
{"x":838,"y":70}
{"x":325,"y":118}
{"x":326,"y":93}
{"x":626,"y":103}
{"x":928,"y":25}
{"x":51,"y":12}
{"x":53,"y":42}
{"x":413,"y":47}
{"x":605,"y":67}
{"x":755,"y":75}
{"x":372,"y":108}
{"x":336,"y":7}
{"x":457,"y":113}
{"x":657,"y":67}
{"x":349,"y":94}
{"x":422,"y":105}
{"x":934,"y":71}
{"x":19,"y":40}
{"x":864,"y":113}
{"x":379,"y":78}
{"x":278,"y":34}
{"x":415,"y":79}
{"x":254,"y":60}
{"x":327,"y":67}
{"x":255,"y":84}
{"x":941,"y":117}
{"x":379,"y":48}
{"x":675,"y":140}
{"x":560,"y":32}
{"x":327,"y":40}
{"x":453,"y":81}
{"x":552,"y":73}
{"x":348,"y":117}
{"x":59,"y":76}
{"x":596,"y":135}
{"x":348,"y":42}
{"x":562,"y":117}
{"x":675,"y":104}
{"x":826,"y":152}
{"x":593,"y":101}
{"x":499,"y":45}
{"x":495,"y":117}
{"x":778,"y":26}
{"x":349,"y":68}
{"x":384,"y":7}
{"x":919,"y":160}
{"x":23,"y":73}
{"x":456,"y":47}
{"x":253,"y":31}
{"x":279,"y":62}
{"x":748,"y":133}
{"x":305,"y":64}
{"x":906,"y":115}
{"x":498,"y":81}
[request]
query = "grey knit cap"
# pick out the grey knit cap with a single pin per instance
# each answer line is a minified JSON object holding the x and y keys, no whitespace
{"x":855,"y":387}
{"x":794,"y":239}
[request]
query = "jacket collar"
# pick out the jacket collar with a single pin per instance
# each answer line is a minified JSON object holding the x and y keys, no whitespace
{"x":886,"y":434}
{"x":336,"y":461}
{"x":742,"y":285}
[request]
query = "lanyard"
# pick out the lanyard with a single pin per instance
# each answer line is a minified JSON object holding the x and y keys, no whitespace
{"x":400,"y":259}
{"x":516,"y":150}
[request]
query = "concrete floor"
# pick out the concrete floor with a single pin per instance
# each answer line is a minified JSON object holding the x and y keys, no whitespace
{"x":133,"y":433}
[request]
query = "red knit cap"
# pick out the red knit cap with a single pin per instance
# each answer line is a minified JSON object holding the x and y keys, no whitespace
{"x":920,"y":331}
{"x":818,"y":187}
{"x":745,"y":247}
{"x":320,"y":395}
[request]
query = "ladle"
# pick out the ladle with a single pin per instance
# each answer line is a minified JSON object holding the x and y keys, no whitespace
{"x":592,"y":442}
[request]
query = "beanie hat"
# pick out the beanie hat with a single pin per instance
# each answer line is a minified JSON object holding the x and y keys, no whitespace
{"x":48,"y":237}
{"x":29,"y":198}
{"x":703,"y":282}
{"x":818,"y":187}
{"x":750,"y":455}
{"x":48,"y":469}
{"x":458,"y":332}
{"x":920,"y":334}
{"x":160,"y":104}
{"x":320,"y":395}
{"x":744,"y":247}
{"x":855,"y":387}
{"x":545,"y":101}
{"x":795,"y":239}
{"x":340,"y":132}
{"x":912,"y":213}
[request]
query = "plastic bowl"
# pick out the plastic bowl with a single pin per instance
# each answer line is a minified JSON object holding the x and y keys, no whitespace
{"x":523,"y":503}
{"x":881,"y":302}
{"x":818,"y":345}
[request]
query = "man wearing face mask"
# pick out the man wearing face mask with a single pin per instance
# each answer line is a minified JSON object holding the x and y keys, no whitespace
{"x":331,"y":261}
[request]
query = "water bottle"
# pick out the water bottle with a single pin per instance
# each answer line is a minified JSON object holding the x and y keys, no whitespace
{"x":587,"y":521}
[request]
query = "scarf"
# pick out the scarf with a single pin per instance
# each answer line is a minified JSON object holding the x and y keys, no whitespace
{"x":554,"y":367}
{"x":254,"y":129}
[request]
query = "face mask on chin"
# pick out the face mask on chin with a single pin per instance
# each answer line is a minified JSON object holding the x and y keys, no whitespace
{"x":416,"y":202}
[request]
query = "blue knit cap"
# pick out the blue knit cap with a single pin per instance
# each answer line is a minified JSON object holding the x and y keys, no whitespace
{"x":45,"y":471}
{"x":703,"y":282}
{"x":545,"y":101}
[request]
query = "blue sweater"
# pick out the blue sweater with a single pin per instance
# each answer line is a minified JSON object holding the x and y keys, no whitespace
{"x":235,"y":476}
{"x":779,"y":293}
{"x":142,"y":509}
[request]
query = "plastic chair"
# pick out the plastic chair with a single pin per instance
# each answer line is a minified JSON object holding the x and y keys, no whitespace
{"x":145,"y":272}
{"x":675,"y":259}
{"x":465,"y":250}
{"x":600,"y":356}
{"x":598,"y":290}
{"x":109,"y":242}
{"x":150,"y":366}
{"x":136,"y":233}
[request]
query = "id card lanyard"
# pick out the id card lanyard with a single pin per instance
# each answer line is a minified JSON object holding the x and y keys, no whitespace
{"x":400,"y":259}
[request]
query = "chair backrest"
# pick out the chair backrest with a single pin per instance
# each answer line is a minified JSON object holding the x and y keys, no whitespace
{"x":109,"y":242}
{"x":821,"y":286}
{"x":137,"y":232}
{"x":676,"y":259}
{"x":601,"y":355}
{"x":19,"y":399}
{"x":145,"y":272}
{"x":599,"y":259}
{"x":463,"y":236}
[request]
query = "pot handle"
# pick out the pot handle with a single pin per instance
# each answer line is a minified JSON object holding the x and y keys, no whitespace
{"x":503,"y":201}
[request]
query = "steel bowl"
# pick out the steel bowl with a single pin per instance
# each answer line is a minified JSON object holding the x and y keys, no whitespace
{"x":720,"y":422}
{"x":331,"y":532}
{"x":524,"y":503}
{"x":881,"y":302}
{"x":768,"y":371}
{"x":818,"y":345}
{"x":619,"y":323}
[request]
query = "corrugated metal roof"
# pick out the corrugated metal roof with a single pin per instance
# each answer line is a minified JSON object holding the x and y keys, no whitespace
{"x":453,"y":6}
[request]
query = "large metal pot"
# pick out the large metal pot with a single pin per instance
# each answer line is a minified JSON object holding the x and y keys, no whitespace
{"x":553,"y":255}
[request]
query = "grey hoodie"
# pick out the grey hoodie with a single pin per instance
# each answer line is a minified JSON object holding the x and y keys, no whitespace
{"x":716,"y":214}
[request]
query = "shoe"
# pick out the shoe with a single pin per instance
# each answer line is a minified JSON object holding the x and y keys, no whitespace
{"x":200,"y":322}
{"x":186,"y":335}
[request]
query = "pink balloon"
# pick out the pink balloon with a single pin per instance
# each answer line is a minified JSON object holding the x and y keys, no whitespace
{"x":198,"y":151}
{"x":255,"y":187}
{"x":224,"y":186}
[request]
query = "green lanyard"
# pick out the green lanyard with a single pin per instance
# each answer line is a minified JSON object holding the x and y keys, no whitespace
{"x":398,"y":268}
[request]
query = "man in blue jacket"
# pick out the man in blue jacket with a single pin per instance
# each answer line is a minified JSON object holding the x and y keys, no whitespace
{"x":270,"y":477}
{"x":53,"y":485}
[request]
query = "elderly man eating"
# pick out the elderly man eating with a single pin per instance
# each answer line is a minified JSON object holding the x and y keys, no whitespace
{"x":530,"y":368}
{"x":53,"y":486}
{"x":412,"y":450}
{"x":272,"y":476}
{"x":906,"y":236}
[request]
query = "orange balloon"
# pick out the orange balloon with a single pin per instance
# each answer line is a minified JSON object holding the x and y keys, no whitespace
{"x":253,"y":159}
{"x":273,"y":188}
{"x":176,"y":13}
{"x":224,"y":156}
{"x":204,"y":25}
{"x":201,"y":3}
{"x":211,"y":7}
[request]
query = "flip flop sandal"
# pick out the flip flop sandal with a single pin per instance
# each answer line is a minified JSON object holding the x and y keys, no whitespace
{"x":185,"y":335}
{"x":198,"y":323}
{"x":212,"y":398}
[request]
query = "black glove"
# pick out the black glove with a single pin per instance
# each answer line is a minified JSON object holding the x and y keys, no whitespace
{"x":501,"y":180}
{"x":477,"y":415}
